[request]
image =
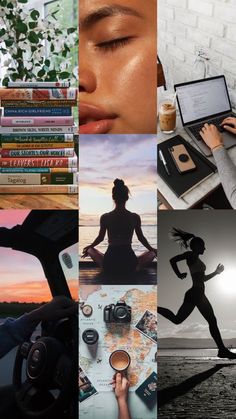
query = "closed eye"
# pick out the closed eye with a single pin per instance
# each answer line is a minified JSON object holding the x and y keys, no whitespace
{"x":114,"y":44}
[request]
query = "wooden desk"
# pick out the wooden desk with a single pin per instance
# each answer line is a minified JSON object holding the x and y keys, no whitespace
{"x":38,"y":201}
{"x":192,"y":198}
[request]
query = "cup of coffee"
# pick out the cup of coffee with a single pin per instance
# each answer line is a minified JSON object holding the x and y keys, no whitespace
{"x":119,"y":360}
{"x":167,"y":117}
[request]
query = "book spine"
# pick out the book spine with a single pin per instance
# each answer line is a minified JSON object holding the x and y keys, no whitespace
{"x":37,"y":104}
{"x":38,"y":169}
{"x":42,"y":130}
{"x":65,"y":152}
{"x":35,"y":146}
{"x":38,"y":94}
{"x":40,"y":138}
{"x":38,"y":179}
{"x":39,"y":189}
{"x":38,"y":162}
{"x":66,"y":111}
{"x":38,"y":84}
{"x":37,"y":121}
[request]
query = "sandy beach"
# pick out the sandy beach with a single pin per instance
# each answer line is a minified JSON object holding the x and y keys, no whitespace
{"x":198,"y":388}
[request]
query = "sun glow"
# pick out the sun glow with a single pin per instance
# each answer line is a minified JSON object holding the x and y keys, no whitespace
{"x":227,"y":281}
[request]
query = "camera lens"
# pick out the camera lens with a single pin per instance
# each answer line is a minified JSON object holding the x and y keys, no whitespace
{"x":120,"y":312}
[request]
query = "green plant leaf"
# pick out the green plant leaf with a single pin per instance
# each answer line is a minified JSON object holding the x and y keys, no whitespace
{"x":22,"y":1}
{"x":47,"y":63}
{"x":33,"y":37}
{"x":64,"y":75}
{"x":34,"y":14}
{"x":41,"y":73}
{"x":32,"y":25}
{"x":71,"y":30}
{"x":2,"y":32}
{"x":5,"y":81}
{"x":21,"y":27}
{"x":9,"y":42}
{"x":52,"y":75}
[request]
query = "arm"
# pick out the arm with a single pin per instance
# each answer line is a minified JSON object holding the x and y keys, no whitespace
{"x":141,"y":237}
{"x":121,"y":387}
{"x":173,"y":262}
{"x":100,"y":236}
{"x":15,"y":331}
{"x":218,"y":271}
{"x":225,"y":166}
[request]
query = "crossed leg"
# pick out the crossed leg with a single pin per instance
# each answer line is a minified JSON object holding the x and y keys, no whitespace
{"x":96,"y":256}
{"x":145,"y":258}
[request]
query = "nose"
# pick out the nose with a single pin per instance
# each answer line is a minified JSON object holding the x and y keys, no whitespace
{"x":87,"y":81}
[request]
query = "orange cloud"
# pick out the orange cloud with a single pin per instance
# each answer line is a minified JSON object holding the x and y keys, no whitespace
{"x":32,"y":291}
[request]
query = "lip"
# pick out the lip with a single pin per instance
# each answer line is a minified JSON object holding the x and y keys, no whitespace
{"x":94,"y":120}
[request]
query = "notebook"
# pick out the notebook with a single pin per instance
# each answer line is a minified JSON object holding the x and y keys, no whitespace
{"x":182,"y":183}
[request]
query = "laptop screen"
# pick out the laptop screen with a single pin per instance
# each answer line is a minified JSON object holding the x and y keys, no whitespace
{"x":202,"y":99}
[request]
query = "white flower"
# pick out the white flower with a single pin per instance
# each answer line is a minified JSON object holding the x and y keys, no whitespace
{"x":3,"y":11}
{"x":7,"y":62}
{"x":28,"y":65}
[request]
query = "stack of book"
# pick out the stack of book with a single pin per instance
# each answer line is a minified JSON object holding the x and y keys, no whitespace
{"x":38,"y":138}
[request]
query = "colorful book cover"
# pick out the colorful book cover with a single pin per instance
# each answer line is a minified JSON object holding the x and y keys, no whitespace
{"x":35,"y":146}
{"x":25,"y":138}
{"x":38,"y":162}
{"x":39,"y":84}
{"x":38,"y":111}
{"x":39,"y":189}
{"x":19,"y":94}
{"x":43,"y":129}
{"x":39,"y":104}
{"x":38,"y":169}
{"x":65,"y":152}
{"x":38,"y":179}
{"x":11,"y":121}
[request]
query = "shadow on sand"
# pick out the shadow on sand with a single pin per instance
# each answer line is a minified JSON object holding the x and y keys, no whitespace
{"x":170,"y":393}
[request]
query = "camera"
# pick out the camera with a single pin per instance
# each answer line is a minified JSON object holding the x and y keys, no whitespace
{"x":117,"y":313}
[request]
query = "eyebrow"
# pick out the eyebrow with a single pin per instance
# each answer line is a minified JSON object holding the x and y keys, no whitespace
{"x":107,"y":11}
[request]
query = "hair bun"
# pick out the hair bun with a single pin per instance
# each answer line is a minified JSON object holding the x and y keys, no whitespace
{"x":119,"y":182}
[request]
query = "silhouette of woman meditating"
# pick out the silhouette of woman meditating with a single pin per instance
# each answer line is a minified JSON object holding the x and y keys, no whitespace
{"x":120,"y":225}
{"x":195,"y":296}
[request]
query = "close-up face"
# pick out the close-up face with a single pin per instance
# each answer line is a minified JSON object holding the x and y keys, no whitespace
{"x":117,"y":66}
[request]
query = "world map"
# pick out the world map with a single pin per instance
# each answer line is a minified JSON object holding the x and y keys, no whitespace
{"x":94,"y":360}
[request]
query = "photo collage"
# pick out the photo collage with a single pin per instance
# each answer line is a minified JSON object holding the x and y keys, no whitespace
{"x":117,"y":199}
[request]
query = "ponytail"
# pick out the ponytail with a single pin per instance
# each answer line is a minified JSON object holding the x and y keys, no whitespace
{"x":181,"y":237}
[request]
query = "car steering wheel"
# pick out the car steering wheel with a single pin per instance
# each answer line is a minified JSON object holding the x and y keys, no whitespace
{"x":49,"y":374}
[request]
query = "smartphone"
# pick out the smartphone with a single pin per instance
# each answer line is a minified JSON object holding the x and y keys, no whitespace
{"x":182,"y":159}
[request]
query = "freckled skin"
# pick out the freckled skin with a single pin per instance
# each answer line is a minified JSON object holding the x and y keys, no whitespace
{"x":123,"y":80}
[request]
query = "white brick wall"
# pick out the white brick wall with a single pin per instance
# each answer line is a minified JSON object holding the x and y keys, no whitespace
{"x":185,"y":26}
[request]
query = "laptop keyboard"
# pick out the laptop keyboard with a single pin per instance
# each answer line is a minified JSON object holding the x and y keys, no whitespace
{"x":216,"y":121}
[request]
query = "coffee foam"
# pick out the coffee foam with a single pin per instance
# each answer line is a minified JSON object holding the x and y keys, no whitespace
{"x":119,"y":360}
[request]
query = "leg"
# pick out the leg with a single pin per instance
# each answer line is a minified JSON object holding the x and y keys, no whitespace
{"x":145,"y":258}
{"x":207,"y":312}
{"x":184,"y":311}
{"x":96,"y":256}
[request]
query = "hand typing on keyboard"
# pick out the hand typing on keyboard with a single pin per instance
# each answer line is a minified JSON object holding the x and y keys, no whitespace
{"x":229,"y":124}
{"x":211,"y":136}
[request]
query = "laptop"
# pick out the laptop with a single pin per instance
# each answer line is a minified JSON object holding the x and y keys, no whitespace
{"x":205,"y":101}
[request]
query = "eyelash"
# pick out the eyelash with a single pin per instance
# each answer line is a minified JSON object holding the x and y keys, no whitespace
{"x":113,"y":44}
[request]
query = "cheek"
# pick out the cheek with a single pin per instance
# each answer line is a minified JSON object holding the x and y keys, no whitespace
{"x":129,"y":84}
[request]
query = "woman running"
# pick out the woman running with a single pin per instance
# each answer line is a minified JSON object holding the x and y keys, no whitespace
{"x":195,"y":296}
{"x":120,"y":225}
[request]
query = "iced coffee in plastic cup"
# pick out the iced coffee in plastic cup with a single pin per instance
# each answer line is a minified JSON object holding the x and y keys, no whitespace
{"x":167,"y":117}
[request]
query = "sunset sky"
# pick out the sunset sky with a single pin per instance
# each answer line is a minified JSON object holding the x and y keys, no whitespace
{"x":21,"y":275}
{"x":128,"y":157}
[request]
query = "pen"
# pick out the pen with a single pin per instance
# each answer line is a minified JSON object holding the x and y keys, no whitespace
{"x":164,"y":162}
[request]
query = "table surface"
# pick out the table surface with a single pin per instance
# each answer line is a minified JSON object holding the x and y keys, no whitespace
{"x":199,"y":192}
{"x":38,"y":201}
